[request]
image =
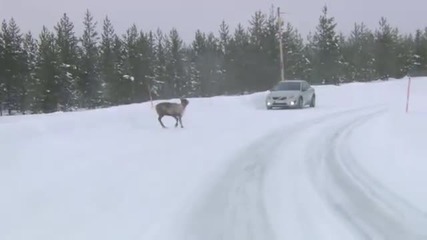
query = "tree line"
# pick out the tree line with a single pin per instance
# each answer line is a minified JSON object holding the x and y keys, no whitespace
{"x":60,"y":71}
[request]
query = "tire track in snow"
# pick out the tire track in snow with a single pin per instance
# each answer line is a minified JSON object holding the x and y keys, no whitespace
{"x":360,"y":199}
{"x":234,"y":207}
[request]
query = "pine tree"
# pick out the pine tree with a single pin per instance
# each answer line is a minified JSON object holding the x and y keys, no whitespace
{"x":224,"y":38}
{"x":175,"y":64}
{"x":423,"y":52}
{"x":359,"y":54}
{"x":133,"y":77}
{"x":151,"y":80}
{"x":108,"y":60}
{"x":270,"y":43}
{"x":420,"y":57}
{"x":239,"y":60}
{"x":270,"y":50}
{"x":347,"y":51}
{"x":2,"y":68}
{"x":327,"y":57}
{"x":47,"y":73}
{"x":160,"y":79}
{"x":386,"y":39}
{"x":295,"y":61}
{"x":258,"y":59}
{"x":224,"y":42}
{"x":14,"y":67}
{"x":199,"y":69}
{"x":257,"y":24}
{"x":192,"y":86}
{"x":33,"y":88}
{"x":90,"y":82}
{"x":68,"y":62}
{"x":120,"y":85}
{"x":215,"y":60}
{"x":145,"y":72}
{"x":406,"y":58}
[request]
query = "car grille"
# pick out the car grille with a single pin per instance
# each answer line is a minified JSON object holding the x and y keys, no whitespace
{"x":279,"y":98}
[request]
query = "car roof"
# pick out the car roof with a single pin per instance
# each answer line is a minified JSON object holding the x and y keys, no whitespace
{"x":292,"y":81}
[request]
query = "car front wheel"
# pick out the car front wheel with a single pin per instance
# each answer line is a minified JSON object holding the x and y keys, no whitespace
{"x":300,"y":102}
{"x":313,"y":101}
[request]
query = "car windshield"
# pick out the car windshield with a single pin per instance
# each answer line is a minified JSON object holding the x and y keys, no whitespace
{"x":287,"y":86}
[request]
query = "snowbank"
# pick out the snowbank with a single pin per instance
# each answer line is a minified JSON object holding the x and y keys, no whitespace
{"x":392,"y":148}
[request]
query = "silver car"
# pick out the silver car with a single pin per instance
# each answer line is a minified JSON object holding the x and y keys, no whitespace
{"x":291,"y":94}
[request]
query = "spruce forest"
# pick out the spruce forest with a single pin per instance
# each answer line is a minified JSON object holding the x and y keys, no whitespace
{"x":60,"y":71}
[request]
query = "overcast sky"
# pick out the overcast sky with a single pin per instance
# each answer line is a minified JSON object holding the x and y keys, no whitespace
{"x":189,"y":15}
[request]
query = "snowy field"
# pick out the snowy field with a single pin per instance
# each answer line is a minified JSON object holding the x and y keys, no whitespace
{"x":351,"y":168}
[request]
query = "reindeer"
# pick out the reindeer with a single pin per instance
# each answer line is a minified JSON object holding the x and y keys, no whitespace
{"x":175,"y":110}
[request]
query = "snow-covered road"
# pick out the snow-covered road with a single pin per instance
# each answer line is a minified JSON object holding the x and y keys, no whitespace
{"x":301,"y":182}
{"x":245,"y":204}
{"x":291,"y":184}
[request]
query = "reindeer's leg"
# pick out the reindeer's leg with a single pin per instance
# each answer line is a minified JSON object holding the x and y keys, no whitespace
{"x":176,"y":118}
{"x":180,"y":121}
{"x":160,"y":120}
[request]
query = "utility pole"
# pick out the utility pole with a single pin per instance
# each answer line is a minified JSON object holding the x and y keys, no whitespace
{"x":279,"y":21}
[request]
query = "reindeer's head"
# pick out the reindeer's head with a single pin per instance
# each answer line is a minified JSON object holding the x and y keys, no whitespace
{"x":184,"y":102}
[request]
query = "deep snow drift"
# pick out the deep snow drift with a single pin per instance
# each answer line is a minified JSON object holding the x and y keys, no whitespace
{"x":236,"y":171}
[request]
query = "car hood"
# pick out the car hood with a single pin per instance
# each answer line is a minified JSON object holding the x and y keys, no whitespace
{"x":283,"y":93}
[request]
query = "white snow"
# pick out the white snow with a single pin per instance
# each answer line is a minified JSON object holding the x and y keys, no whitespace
{"x":351,"y":168}
{"x":132,"y":78}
